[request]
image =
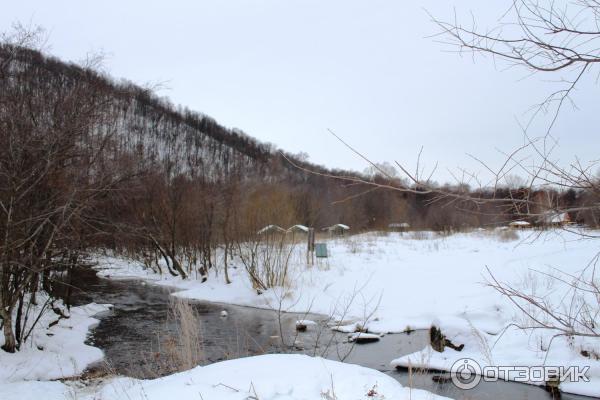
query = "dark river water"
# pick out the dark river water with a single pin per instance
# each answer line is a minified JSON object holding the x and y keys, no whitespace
{"x":135,"y":335}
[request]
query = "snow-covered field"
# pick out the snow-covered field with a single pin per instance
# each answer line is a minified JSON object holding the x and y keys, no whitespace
{"x":389,"y":283}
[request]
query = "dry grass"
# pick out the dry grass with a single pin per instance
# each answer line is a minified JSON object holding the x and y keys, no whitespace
{"x":420,"y":235}
{"x":353,"y":245}
{"x":184,"y":348}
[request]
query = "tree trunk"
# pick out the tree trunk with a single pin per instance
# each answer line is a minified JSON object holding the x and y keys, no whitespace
{"x":227,"y":281}
{"x":18,"y":321}
{"x":10,"y":343}
{"x":168,"y":259}
{"x":178,"y":267}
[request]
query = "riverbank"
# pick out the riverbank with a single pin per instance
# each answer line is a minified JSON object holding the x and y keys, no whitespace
{"x":56,"y":349}
{"x":388,"y":283}
{"x":281,"y":376}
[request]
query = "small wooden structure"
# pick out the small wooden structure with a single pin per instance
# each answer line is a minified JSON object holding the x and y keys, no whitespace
{"x":321,"y":250}
{"x":399,"y":227}
{"x":519,"y":224}
{"x":337,"y":229}
{"x":310,"y":249}
{"x":554,"y":218}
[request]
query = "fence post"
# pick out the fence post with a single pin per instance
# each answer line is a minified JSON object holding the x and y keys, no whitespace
{"x":310,"y":251}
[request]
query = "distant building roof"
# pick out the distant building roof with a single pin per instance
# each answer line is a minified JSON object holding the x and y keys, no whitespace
{"x":552,"y":217}
{"x":337,"y":226}
{"x":271,"y":228}
{"x":519,"y":223}
{"x":298,"y":227}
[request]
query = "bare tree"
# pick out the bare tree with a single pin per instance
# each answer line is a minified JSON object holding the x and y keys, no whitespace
{"x":53,"y":134}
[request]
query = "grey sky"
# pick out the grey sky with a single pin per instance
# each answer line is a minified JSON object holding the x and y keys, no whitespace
{"x":286,"y":71}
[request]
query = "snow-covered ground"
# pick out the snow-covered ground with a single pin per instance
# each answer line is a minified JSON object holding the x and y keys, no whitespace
{"x":55,"y":352}
{"x":50,"y":353}
{"x":36,"y":390}
{"x":388,"y":283}
{"x":267,"y":377}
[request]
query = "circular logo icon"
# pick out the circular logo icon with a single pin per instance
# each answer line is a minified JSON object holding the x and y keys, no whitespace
{"x":466,"y":373}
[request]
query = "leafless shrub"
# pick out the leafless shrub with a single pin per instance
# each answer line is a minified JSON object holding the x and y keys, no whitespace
{"x":266,"y":259}
{"x":506,"y":235}
{"x":420,"y":235}
{"x":353,"y":245}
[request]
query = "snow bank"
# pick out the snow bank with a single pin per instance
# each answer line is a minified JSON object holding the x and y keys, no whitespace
{"x":55,"y":352}
{"x":361,"y":337}
{"x":303,"y":324}
{"x":516,"y":348}
{"x":34,"y":390}
{"x":306,"y":322}
{"x":268,"y":377}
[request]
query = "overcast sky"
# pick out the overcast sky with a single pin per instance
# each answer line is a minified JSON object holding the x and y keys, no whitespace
{"x":286,"y":71}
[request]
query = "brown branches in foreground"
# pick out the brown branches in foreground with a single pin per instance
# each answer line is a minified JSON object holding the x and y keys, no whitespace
{"x":540,"y":36}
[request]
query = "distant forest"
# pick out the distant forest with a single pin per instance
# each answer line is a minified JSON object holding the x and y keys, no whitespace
{"x":148,"y":170}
